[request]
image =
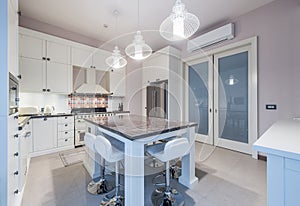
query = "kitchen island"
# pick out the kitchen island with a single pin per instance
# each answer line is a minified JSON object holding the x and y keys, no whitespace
{"x":137,"y":131}
{"x":281,"y":143}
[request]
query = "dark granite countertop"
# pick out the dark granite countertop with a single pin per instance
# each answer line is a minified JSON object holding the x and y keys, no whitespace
{"x":135,"y":127}
{"x":46,"y":115}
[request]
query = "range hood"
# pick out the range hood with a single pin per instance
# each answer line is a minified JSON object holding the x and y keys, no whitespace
{"x":90,"y":86}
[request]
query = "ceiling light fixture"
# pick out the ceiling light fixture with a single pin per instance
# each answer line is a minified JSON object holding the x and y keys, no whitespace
{"x":231,"y":80}
{"x":180,"y":24}
{"x":116,"y":60}
{"x":138,"y":49}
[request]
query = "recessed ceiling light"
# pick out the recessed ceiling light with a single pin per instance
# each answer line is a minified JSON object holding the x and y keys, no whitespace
{"x":105,"y":26}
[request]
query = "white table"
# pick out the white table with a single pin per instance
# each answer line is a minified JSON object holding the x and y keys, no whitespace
{"x":281,"y":143}
{"x":136,"y":131}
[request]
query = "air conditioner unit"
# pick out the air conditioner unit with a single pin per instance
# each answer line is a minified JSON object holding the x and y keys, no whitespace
{"x":215,"y":36}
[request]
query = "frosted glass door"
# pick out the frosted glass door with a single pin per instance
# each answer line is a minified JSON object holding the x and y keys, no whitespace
{"x":231,"y":100}
{"x":200,"y":107}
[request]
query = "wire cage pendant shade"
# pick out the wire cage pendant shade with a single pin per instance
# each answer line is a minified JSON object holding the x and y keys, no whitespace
{"x":116,"y":60}
{"x":180,"y":24}
{"x":138,"y":49}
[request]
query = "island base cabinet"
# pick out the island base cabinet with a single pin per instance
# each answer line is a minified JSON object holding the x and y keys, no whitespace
{"x":44,"y":133}
{"x":283,"y":181}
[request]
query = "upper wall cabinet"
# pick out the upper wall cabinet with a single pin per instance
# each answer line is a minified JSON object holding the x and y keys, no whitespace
{"x":38,"y":48}
{"x":117,"y":82}
{"x":13,"y":37}
{"x":89,"y":58}
{"x":44,"y":64}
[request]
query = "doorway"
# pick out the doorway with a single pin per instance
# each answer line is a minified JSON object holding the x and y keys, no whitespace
{"x":221,"y":96}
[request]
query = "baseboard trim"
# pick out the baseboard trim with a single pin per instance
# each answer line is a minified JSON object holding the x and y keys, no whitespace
{"x":50,"y":151}
{"x":262,"y":157}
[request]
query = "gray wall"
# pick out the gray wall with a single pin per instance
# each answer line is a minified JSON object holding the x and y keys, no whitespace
{"x":277,"y":26}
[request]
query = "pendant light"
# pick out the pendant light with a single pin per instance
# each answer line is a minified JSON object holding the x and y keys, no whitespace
{"x":180,"y":24}
{"x":138,"y":49}
{"x":116,"y":61}
{"x":231,"y":80}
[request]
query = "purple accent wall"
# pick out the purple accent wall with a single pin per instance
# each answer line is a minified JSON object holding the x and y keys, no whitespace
{"x":60,"y":32}
{"x":277,"y":26}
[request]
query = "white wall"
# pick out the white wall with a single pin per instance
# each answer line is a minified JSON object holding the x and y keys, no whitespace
{"x":60,"y":102}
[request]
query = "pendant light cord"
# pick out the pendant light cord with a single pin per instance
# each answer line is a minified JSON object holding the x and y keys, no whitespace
{"x":138,"y":14}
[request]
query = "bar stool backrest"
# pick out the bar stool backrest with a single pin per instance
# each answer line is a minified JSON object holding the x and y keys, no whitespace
{"x":103,"y":147}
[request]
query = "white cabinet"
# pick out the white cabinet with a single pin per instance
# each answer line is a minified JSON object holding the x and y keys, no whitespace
{"x":117,"y":82}
{"x":25,"y":148}
{"x":44,"y":133}
{"x":33,"y":73}
{"x":81,"y":57}
{"x":13,"y":37}
{"x":44,"y":65}
{"x":58,"y":78}
{"x":65,"y":129}
{"x":13,"y":158}
{"x":89,"y":58}
{"x":42,"y":49}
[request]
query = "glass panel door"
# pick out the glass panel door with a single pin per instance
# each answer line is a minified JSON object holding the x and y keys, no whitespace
{"x":200,"y":98}
{"x":231,"y":100}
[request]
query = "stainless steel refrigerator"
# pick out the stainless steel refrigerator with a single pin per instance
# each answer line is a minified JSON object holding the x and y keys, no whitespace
{"x":157,"y":100}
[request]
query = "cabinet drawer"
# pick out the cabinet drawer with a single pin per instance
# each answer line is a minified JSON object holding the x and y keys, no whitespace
{"x":65,"y":142}
{"x":66,"y":119}
{"x":65,"y":127}
{"x":66,"y":134}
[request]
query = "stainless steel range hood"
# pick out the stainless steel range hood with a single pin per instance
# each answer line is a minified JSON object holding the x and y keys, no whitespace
{"x":90,"y":86}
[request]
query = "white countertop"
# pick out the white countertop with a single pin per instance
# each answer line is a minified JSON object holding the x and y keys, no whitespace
{"x":282,"y":139}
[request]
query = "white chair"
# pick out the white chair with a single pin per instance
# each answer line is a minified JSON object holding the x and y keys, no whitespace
{"x":111,"y":154}
{"x":166,"y":152}
{"x":95,"y":187}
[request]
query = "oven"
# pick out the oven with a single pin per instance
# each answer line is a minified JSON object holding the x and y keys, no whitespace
{"x":13,"y":94}
{"x":80,"y":126}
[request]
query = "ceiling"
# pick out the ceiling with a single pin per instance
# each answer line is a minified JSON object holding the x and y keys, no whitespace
{"x":87,"y":17}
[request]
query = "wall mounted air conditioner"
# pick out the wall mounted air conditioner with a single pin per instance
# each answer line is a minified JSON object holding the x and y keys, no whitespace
{"x":215,"y":36}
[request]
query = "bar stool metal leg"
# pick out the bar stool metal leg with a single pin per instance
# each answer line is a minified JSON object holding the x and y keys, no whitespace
{"x":103,"y":185}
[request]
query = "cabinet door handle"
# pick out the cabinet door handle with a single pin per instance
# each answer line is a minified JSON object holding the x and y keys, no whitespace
{"x":16,"y":117}
{"x":43,"y":58}
{"x":16,"y":173}
{"x":66,"y":132}
{"x":66,"y":140}
{"x":66,"y":125}
{"x":48,"y":59}
{"x":45,"y":119}
{"x":16,"y":154}
{"x":19,"y":76}
{"x":16,"y":136}
{"x":48,"y":90}
{"x":66,"y":117}
{"x":16,"y":192}
{"x":216,"y":111}
{"x":44,"y":90}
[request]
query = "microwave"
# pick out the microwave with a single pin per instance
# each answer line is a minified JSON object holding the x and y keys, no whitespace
{"x":13,"y":94}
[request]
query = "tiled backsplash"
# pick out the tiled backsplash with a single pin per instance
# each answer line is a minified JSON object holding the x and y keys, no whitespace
{"x":87,"y":101}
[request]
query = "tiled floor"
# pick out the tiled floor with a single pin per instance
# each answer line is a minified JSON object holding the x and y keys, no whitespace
{"x":225,"y":178}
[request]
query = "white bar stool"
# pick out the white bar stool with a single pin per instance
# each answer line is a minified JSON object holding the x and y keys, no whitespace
{"x":111,"y":154}
{"x":166,"y":152}
{"x":102,"y":186}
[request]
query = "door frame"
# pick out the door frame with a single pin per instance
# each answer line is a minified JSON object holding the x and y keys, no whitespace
{"x":252,"y":95}
{"x":208,"y":139}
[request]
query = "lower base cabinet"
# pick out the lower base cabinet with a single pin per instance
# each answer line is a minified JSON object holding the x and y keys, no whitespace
{"x":44,"y":133}
{"x":52,"y":132}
